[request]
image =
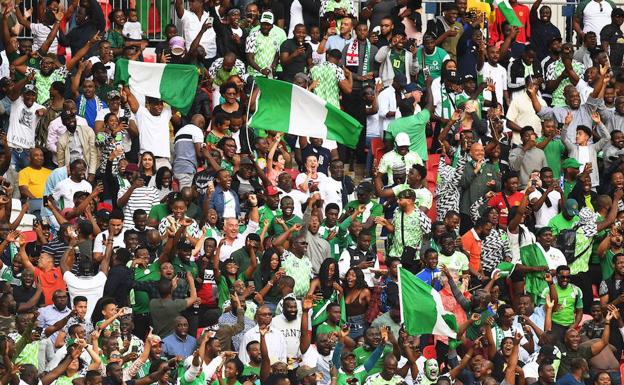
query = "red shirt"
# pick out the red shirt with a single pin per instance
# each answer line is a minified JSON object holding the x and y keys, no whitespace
{"x":498,"y":202}
{"x":524,"y":34}
{"x":50,"y":282}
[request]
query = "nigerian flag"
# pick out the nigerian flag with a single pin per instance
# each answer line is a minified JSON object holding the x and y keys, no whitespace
{"x":175,"y":84}
{"x":421,"y":308}
{"x":507,"y":11}
{"x":291,"y":109}
{"x":534,"y":283}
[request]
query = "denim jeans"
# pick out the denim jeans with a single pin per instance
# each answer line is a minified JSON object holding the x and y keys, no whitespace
{"x":20,"y":158}
{"x":369,"y":156}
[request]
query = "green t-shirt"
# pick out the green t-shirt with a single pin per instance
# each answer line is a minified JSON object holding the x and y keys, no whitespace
{"x":558,"y":223}
{"x":141,"y":298}
{"x":433,"y":62}
{"x":180,"y":267}
{"x":362,"y":355}
{"x":158,"y":212}
{"x":265,"y":212}
{"x":249,"y":370}
{"x":224,"y":288}
{"x":570,"y":299}
{"x":397,"y":59}
{"x":360,"y":374}
{"x":326,"y":328}
{"x":553,"y":152}
{"x":606,"y":265}
{"x":567,"y":187}
{"x":373,"y":209}
{"x":276,"y":230}
{"x":213,"y":139}
{"x":415,"y":126}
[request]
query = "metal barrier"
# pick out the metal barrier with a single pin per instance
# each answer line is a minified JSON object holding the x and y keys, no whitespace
{"x":154,"y":15}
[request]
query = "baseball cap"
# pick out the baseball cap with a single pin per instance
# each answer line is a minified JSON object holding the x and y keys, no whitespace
{"x":365,"y":187}
{"x":304,"y":371}
{"x":450,"y":75}
{"x":570,"y":163}
{"x":548,"y":351}
{"x":402,"y":139}
{"x":413,"y":87}
{"x":399,"y":169}
{"x":246,"y":161}
{"x":30,"y":88}
{"x":467,"y":78}
{"x":376,"y":30}
{"x":99,"y":66}
{"x":67,"y":114}
{"x":112,"y":94}
{"x":571,"y":207}
{"x":272,"y":190}
{"x":267,"y":17}
{"x":176,"y":44}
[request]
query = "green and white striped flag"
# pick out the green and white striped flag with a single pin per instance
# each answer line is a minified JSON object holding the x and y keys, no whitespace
{"x":175,"y":84}
{"x":507,"y":11}
{"x":421,"y":308}
{"x":287,"y":108}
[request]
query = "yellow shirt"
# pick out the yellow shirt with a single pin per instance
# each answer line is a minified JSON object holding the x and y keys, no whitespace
{"x":481,"y":7}
{"x":34,"y":179}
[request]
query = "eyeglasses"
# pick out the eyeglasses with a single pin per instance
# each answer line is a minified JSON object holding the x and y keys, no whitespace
{"x":566,"y":277}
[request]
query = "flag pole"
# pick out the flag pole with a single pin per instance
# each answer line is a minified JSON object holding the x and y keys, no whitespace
{"x":399,"y":268}
{"x":253,"y":84}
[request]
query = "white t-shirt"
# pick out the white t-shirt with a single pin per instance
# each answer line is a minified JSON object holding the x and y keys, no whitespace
{"x":499,"y":75}
{"x":90,"y":287}
{"x":545,"y":214}
{"x":154,"y":131}
{"x":584,"y":90}
{"x":596,"y":15}
{"x":291,"y":330}
{"x":229,"y":207}
{"x":331,"y":192}
{"x":132,"y":30}
{"x":314,"y":359}
{"x":22,"y":124}
{"x":554,"y":257}
{"x":296,"y":17}
{"x":191,"y":25}
{"x":98,"y":243}
{"x":373,"y":126}
{"x":387,"y":103}
{"x":320,"y":178}
{"x":40,"y":33}
{"x":64,"y":191}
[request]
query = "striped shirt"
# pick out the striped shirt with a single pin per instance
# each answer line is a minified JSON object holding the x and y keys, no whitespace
{"x":56,"y":248}
{"x":141,"y":198}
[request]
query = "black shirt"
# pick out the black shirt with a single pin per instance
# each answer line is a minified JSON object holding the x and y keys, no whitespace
{"x":614,"y":35}
{"x":22,"y":295}
{"x":298,"y":63}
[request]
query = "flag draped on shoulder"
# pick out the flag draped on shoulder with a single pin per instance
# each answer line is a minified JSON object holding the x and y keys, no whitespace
{"x":507,"y":11}
{"x":534,"y":283}
{"x":421,"y":308}
{"x":175,"y":84}
{"x":288,"y":108}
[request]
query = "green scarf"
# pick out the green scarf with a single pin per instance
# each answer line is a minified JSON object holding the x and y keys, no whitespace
{"x":531,"y":255}
{"x":82,"y":104}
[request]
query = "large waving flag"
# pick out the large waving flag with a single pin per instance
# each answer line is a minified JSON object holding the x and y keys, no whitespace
{"x":421,"y":308}
{"x":288,"y":108}
{"x":507,"y":11}
{"x":175,"y":84}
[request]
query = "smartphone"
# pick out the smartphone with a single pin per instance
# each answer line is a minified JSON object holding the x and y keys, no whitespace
{"x":135,"y":349}
{"x":533,"y":182}
{"x":210,"y":19}
{"x":45,"y":201}
{"x":426,"y":71}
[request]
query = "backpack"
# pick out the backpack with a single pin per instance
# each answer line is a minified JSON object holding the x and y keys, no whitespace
{"x":566,"y":242}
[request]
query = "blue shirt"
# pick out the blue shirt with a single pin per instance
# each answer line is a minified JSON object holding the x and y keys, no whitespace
{"x":426,"y":275}
{"x":173,"y":345}
{"x":568,"y":379}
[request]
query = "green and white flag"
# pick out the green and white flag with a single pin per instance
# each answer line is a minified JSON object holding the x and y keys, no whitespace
{"x":421,"y":308}
{"x":288,"y":108}
{"x":175,"y":84}
{"x":507,"y":11}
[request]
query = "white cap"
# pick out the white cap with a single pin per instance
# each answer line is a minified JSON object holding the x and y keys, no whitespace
{"x":402,"y":139}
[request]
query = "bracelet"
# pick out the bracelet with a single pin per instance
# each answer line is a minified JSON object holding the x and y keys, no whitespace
{"x":270,"y":283}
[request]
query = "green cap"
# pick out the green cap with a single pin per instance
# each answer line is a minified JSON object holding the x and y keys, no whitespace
{"x":571,"y":163}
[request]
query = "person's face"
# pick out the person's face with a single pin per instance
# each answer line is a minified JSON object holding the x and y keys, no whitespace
{"x":477,"y":152}
{"x":512,"y":184}
{"x":132,"y":241}
{"x":362,"y":196}
{"x":119,"y":18}
{"x":254,"y":353}
{"x":348,"y":363}
{"x":140,"y":222}
{"x":451,"y":16}
{"x":109,"y":310}
{"x":548,"y":374}
{"x":331,"y":217}
{"x":88,"y":89}
{"x":619,"y":265}
{"x":581,"y":137}
{"x":397,"y":41}
{"x":546,"y":239}
{"x":287,"y":206}
{"x":36,"y":157}
{"x":166,"y":270}
{"x":178,"y":209}
{"x":265,"y":28}
{"x":182,"y":327}
{"x":225,"y":180}
{"x":507,"y":347}
{"x":300,"y":34}
{"x":390,"y":367}
{"x":264,"y":316}
{"x":81,"y":309}
{"x":59,"y":300}
{"x":25,"y":46}
{"x":603,"y":379}
{"x":29,"y":98}
{"x":311,"y":164}
{"x":591,"y":40}
{"x":115,"y":226}
{"x":155,"y":107}
{"x":28,"y":278}
{"x":402,"y":150}
{"x":547,"y":178}
{"x":346,"y":26}
{"x":336,"y":169}
{"x":300,"y":246}
{"x":229,"y":147}
{"x":386,"y":27}
{"x":572,"y":339}
{"x":525,"y":307}
{"x":230,"y":227}
{"x":324,"y":344}
{"x":493,"y":54}
{"x":195,"y":5}
{"x":234,"y":18}
{"x":431,"y":260}
{"x":563,"y":278}
{"x":361,"y":32}
{"x":315,"y":33}
{"x":545,"y":13}
{"x":47,"y":66}
{"x":462,"y":5}
{"x":372,"y":337}
{"x":230,"y":95}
